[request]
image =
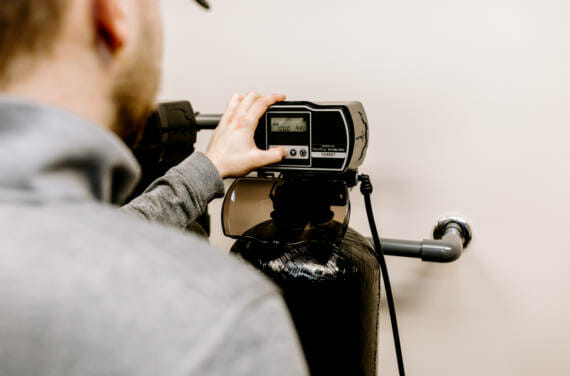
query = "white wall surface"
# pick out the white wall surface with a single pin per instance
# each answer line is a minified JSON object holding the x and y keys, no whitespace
{"x":469,"y":107}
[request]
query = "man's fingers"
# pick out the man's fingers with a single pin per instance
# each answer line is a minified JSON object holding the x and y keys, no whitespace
{"x":232,"y":148}
{"x":278,"y":97}
{"x":261,"y":106}
{"x":270,"y":156}
{"x":249,"y":100}
{"x":233,"y":104}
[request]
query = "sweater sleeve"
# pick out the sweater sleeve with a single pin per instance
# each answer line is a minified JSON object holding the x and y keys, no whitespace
{"x":181,"y":195}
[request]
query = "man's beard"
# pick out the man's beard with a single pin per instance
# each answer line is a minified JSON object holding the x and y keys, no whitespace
{"x":134,"y":97}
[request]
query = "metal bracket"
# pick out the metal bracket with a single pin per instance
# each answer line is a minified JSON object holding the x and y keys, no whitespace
{"x":451,"y":234}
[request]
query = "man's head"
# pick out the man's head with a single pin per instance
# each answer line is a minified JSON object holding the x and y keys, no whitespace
{"x":98,"y":58}
{"x":27,"y":27}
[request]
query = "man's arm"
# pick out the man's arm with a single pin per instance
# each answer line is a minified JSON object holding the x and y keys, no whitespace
{"x":183,"y":194}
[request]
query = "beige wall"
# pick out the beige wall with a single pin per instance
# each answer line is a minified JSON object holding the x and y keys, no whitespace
{"x":469,"y":105}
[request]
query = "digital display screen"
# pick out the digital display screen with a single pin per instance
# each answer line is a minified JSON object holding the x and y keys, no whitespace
{"x":288,"y":124}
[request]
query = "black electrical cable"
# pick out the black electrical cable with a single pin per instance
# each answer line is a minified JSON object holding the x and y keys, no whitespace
{"x":366,"y":190}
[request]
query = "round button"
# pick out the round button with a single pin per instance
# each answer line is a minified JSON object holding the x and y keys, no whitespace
{"x":303,"y":153}
{"x":293,"y":152}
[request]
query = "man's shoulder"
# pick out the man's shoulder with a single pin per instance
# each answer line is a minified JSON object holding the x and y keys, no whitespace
{"x":89,"y":284}
{"x":101,"y":237}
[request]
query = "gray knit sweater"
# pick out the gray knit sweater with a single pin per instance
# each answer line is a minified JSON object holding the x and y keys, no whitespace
{"x":87,"y":288}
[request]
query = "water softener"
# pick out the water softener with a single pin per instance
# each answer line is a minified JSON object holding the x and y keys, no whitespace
{"x":291,"y":223}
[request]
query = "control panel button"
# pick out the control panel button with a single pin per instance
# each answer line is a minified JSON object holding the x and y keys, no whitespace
{"x":296,"y":152}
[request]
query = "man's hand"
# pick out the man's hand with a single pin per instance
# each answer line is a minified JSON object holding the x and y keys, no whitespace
{"x":232,"y":148}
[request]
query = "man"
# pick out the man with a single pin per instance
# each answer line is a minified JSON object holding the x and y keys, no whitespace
{"x":90,"y":289}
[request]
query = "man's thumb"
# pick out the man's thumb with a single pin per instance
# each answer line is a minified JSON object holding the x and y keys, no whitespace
{"x":273,"y":155}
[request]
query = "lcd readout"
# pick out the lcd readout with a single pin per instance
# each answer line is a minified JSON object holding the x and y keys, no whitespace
{"x":288,"y":124}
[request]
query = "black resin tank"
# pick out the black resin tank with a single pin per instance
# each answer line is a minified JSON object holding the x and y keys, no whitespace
{"x":329,"y":277}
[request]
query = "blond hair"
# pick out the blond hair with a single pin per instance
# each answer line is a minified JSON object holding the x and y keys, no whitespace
{"x":27,"y":27}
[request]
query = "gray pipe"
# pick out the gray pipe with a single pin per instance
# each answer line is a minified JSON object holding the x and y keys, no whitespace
{"x":452,"y":237}
{"x":207,"y":121}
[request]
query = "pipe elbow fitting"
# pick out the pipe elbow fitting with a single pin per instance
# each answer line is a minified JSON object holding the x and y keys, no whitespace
{"x":446,"y":250}
{"x":452,"y":235}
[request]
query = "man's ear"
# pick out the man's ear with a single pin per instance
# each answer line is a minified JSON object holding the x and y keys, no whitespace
{"x":111,"y":24}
